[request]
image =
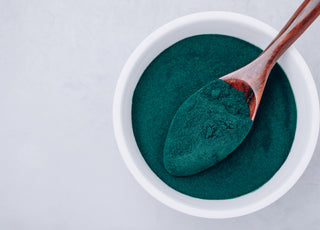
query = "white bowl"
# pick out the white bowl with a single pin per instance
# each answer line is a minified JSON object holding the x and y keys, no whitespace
{"x":257,"y":33}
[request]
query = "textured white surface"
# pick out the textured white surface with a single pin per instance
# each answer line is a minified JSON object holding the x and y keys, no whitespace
{"x":59,"y":165}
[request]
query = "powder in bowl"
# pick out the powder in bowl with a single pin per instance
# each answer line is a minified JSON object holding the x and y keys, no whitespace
{"x":181,"y":70}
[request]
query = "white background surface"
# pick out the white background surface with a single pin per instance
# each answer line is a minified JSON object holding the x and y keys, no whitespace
{"x":59,"y":164}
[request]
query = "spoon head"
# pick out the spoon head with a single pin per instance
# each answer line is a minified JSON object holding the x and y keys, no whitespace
{"x":248,"y":92}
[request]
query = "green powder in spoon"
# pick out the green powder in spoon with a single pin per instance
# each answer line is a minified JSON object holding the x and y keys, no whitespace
{"x":180,"y":71}
{"x":207,"y":127}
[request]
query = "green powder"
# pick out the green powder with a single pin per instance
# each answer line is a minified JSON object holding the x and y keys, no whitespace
{"x":207,"y":127}
{"x":180,"y":71}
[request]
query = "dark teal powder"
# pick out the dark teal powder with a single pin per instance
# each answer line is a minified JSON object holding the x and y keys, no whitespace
{"x":207,"y":127}
{"x":180,"y":71}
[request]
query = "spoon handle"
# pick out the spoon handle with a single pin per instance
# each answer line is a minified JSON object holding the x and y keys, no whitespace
{"x":298,"y":23}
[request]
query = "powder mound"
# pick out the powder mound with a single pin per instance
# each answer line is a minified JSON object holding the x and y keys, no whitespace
{"x":206,"y":128}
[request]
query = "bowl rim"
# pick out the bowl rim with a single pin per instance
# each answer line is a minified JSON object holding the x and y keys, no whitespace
{"x":173,"y":201}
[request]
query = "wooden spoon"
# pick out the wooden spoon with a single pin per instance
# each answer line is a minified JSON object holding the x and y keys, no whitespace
{"x":251,"y":79}
{"x":200,"y":151}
